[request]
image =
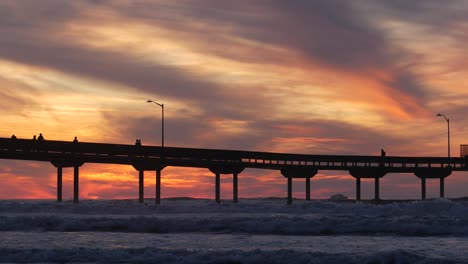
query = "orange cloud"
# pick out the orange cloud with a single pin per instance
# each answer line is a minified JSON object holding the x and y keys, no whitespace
{"x":371,"y":81}
{"x":309,"y":140}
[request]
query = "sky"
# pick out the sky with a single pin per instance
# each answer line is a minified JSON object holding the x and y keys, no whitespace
{"x":311,"y":77}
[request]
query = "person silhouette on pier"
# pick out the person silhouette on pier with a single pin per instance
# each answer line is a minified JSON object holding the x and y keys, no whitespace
{"x":138,"y":142}
{"x":138,"y":147}
{"x":13,"y":143}
{"x":41,"y":143}
{"x":382,"y":154}
{"x":33,"y":145}
{"x":74,"y":147}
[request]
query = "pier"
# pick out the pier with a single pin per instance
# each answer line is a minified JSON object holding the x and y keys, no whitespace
{"x":67,"y":154}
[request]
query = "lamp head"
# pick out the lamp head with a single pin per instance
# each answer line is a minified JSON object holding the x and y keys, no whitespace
{"x":442,"y":115}
{"x":149,"y":101}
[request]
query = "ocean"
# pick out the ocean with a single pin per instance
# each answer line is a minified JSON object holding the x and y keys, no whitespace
{"x":185,"y":230}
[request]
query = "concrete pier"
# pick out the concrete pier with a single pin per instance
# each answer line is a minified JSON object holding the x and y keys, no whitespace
{"x":368,"y":173}
{"x":141,"y":186}
{"x":235,"y":195}
{"x":298,"y":172}
{"x":432,"y":173}
{"x":158,"y":187}
{"x":59,"y":184}
{"x":76,"y":184}
{"x":233,"y":169}
{"x":218,"y":187}
{"x":141,"y":166}
{"x":76,"y":178}
{"x":377,"y":188}
{"x":64,"y":154}
{"x":442,"y":187}
{"x":358,"y":188}
{"x":423,"y":188}
{"x":289,"y":190}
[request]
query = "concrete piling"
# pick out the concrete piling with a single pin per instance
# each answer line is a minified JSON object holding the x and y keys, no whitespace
{"x":59,"y":184}
{"x":141,"y":178}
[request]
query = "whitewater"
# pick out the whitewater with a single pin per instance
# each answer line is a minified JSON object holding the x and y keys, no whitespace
{"x":184,"y":230}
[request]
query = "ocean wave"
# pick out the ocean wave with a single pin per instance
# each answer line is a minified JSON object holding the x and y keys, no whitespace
{"x":158,"y":255}
{"x":422,"y":218}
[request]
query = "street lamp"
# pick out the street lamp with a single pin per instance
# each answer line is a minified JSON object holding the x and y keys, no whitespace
{"x":162,"y":120}
{"x":448,"y":132}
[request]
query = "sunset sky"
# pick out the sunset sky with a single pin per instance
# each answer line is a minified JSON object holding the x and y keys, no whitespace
{"x":312,"y":77}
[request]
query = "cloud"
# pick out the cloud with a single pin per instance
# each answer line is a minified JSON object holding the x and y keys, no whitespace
{"x":440,"y":16}
{"x":293,"y":136}
{"x":316,"y":29}
{"x":308,"y":139}
{"x":331,"y":34}
{"x":306,"y":33}
{"x":46,"y":46}
{"x":17,"y":98}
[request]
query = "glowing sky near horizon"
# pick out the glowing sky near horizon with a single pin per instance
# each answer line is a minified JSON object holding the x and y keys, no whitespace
{"x":320,"y":77}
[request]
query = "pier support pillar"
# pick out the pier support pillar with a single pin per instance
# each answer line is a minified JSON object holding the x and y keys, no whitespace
{"x":358,"y":188}
{"x":218,"y":187}
{"x":442,"y":187}
{"x":76,"y":184}
{"x":158,"y":187}
{"x":60,"y":164}
{"x":229,"y":168}
{"x":307,"y":189}
{"x":59,"y":184}
{"x":432,"y":173}
{"x":235,"y":196}
{"x":377,"y":189}
{"x":423,"y":188}
{"x":368,"y":173}
{"x":142,"y":165}
{"x":141,"y":174}
{"x":298,"y":172}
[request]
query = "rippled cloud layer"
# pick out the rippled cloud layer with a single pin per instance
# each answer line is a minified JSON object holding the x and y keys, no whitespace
{"x":321,"y":77}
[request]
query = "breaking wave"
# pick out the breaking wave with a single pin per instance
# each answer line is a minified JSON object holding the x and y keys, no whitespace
{"x":438,"y":217}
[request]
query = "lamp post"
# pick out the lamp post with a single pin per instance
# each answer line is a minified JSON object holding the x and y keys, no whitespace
{"x":448,"y":132}
{"x":162,"y":119}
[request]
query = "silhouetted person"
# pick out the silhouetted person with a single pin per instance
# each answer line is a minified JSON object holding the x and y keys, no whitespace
{"x":33,"y":145}
{"x":41,"y":143}
{"x":382,"y":154}
{"x":13,"y":143}
{"x":74,"y":147}
{"x":138,"y":147}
